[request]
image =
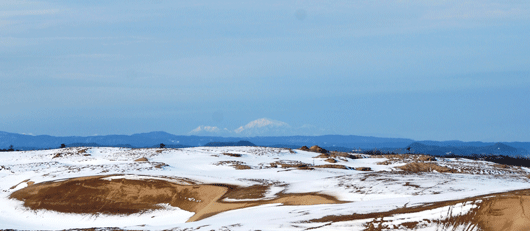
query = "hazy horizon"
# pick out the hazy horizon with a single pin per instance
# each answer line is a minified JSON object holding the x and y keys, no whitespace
{"x":452,"y":70}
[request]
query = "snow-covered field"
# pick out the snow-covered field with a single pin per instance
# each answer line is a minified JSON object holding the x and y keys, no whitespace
{"x":383,"y":189}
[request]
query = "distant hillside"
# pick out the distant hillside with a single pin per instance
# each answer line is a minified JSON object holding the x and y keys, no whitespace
{"x":225,"y":144}
{"x":496,"y":149}
{"x":329,"y":142}
{"x":150,"y":139}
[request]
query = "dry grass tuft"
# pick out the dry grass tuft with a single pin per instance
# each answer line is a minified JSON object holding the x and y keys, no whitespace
{"x":239,"y":165}
{"x":57,"y":155}
{"x":160,"y":165}
{"x":323,"y":155}
{"x":232,"y":154}
{"x":291,"y":164}
{"x":426,"y":158}
{"x":386,"y":162}
{"x":316,"y":148}
{"x":363,"y":169}
{"x":338,"y":166}
{"x":403,"y":158}
{"x":242,"y":167}
{"x":337,"y":155}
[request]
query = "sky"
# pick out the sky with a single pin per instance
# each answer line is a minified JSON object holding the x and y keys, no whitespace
{"x":425,"y":70}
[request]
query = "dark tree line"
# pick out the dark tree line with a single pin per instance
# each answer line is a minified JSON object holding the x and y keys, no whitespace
{"x":10,"y":149}
{"x":499,"y":159}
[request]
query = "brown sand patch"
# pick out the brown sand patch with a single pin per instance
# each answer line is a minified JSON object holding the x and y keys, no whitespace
{"x":250,"y":192}
{"x":141,"y":159}
{"x":285,"y":199}
{"x":509,"y":212}
{"x":424,"y":167}
{"x":117,"y":196}
{"x":94,"y":195}
{"x":494,"y":212}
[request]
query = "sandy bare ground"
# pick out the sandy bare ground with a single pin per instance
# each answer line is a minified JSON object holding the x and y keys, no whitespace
{"x":510,"y":211}
{"x":95,"y":195}
{"x":494,"y":212}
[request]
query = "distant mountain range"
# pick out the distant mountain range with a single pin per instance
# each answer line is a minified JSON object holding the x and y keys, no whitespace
{"x":496,"y":149}
{"x":330,"y":142}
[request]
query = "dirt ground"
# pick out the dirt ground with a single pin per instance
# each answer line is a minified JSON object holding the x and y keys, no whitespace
{"x":123,"y":196}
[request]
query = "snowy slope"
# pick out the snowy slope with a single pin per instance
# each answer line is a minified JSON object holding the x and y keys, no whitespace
{"x":383,"y":189}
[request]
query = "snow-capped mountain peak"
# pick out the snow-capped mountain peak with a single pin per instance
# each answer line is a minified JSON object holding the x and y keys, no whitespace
{"x":262,"y":123}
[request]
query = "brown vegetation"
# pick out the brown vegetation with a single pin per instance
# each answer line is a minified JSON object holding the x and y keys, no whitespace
{"x":232,"y":154}
{"x":160,"y":165}
{"x":403,"y":158}
{"x":65,"y":152}
{"x":141,"y":159}
{"x":316,"y":148}
{"x":386,"y":162}
{"x":424,"y":167}
{"x":363,"y":169}
{"x":338,"y":166}
{"x":290,"y":164}
{"x":239,"y":165}
{"x":340,"y":155}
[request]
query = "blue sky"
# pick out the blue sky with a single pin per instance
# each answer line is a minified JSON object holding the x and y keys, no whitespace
{"x":438,"y":70}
